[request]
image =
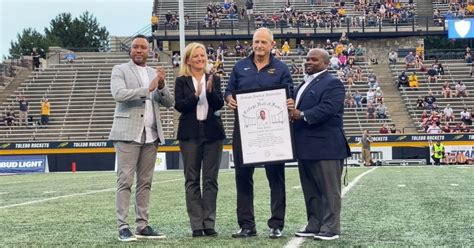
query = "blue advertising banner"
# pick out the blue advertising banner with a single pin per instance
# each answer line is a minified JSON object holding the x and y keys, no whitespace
{"x":23,"y":164}
{"x":460,"y":28}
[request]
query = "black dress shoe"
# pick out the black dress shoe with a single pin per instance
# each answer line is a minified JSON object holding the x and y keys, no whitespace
{"x":275,"y":233}
{"x":245,"y":233}
{"x":198,"y":233}
{"x":210,"y":232}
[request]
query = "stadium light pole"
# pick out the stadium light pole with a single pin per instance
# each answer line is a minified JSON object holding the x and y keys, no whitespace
{"x":182,"y":41}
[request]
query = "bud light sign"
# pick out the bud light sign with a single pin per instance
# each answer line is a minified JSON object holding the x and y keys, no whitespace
{"x":23,"y":164}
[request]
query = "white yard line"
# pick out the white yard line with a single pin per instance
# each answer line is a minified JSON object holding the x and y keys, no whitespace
{"x":297,"y":241}
{"x":73,"y":195}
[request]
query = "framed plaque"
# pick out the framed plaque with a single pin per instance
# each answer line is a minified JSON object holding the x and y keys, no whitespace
{"x":266,"y":136}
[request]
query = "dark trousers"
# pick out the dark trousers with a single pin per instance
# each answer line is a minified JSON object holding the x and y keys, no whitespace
{"x":244,"y":182}
{"x":201,"y":204}
{"x":321,"y":183}
{"x":245,"y":210}
{"x":437,"y":161}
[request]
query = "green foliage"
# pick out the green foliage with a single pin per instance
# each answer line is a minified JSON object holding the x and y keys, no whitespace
{"x":82,"y":33}
{"x":25,"y":42}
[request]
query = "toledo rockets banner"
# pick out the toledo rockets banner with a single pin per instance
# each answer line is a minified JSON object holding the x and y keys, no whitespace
{"x":23,"y":164}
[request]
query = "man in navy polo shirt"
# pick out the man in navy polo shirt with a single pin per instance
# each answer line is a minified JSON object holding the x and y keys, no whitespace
{"x":259,"y":70}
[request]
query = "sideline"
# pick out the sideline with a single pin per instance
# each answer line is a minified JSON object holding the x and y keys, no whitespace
{"x":296,"y":242}
{"x":73,"y":195}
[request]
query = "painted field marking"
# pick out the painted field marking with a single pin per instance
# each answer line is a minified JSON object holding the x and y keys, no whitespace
{"x":401,"y":185}
{"x":297,"y":241}
{"x":73,"y":195}
{"x":296,"y":187}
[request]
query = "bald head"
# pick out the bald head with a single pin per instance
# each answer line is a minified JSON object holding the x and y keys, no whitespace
{"x":316,"y":60}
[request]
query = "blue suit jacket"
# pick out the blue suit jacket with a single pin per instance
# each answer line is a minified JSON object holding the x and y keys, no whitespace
{"x":321,"y":136}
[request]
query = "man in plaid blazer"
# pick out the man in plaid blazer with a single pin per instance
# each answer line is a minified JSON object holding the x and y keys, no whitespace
{"x":136,"y":132}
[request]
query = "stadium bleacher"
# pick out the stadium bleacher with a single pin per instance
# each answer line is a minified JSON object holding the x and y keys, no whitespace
{"x":81,"y":103}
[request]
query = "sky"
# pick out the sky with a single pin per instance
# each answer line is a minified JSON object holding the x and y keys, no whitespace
{"x":120,"y":17}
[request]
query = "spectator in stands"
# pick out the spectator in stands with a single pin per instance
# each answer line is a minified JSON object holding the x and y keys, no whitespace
{"x":249,"y":8}
{"x":435,"y":117}
{"x":410,"y":60}
{"x":168,"y":18}
{"x":461,"y":89}
{"x":466,"y":117}
{"x":23,"y":109}
{"x":424,"y":119}
{"x":285,"y":49}
{"x":370,"y":112}
{"x":393,"y":129}
{"x":420,"y":104}
{"x":413,"y":81}
{"x":358,"y":100}
{"x":381,"y":111}
{"x":403,"y":80}
{"x":434,"y":129}
{"x":378,"y":95}
{"x":358,"y":74}
{"x":9,"y":117}
{"x":276,"y":52}
{"x":464,"y":128}
{"x":70,"y":57}
{"x":384,"y":129}
{"x":372,"y":81}
{"x":392,"y":57}
{"x":301,"y":48}
{"x":471,"y":71}
{"x":349,"y":101}
{"x":239,"y":50}
{"x":176,"y":59}
{"x":448,"y":113}
{"x":420,"y":50}
{"x":334,"y":62}
{"x":154,"y":22}
{"x":43,"y":60}
{"x":430,"y":101}
{"x":261,"y":61}
{"x":446,"y":128}
{"x":200,"y":135}
{"x":210,"y":49}
{"x":446,"y":90}
{"x":359,"y":53}
{"x":36,"y":59}
{"x":344,"y":39}
{"x":45,"y":111}
{"x":439,"y":68}
{"x":370,"y":96}
{"x":432,"y":75}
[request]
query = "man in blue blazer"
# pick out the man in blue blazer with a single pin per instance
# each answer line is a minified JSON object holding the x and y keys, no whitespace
{"x":321,"y":145}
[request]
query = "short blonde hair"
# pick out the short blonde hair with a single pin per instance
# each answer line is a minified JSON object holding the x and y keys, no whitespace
{"x":185,"y":69}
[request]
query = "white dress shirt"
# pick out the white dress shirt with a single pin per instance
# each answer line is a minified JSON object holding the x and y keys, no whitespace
{"x":203,"y":105}
{"x":149,"y":120}
{"x":307,"y":80}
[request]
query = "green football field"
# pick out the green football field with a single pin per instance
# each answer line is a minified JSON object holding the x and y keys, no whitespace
{"x":388,"y":206}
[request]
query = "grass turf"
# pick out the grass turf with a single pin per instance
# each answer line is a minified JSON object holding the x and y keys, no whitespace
{"x":427,"y":211}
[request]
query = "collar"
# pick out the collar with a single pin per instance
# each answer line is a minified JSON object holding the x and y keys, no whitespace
{"x":309,"y":78}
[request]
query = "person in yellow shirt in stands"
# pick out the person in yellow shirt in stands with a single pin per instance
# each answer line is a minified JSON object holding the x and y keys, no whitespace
{"x":45,"y":111}
{"x":470,"y":8}
{"x":413,"y":81}
{"x":154,"y":22}
{"x":339,"y":49}
{"x":342,"y":12}
{"x":420,"y":51}
{"x":285,"y":49}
